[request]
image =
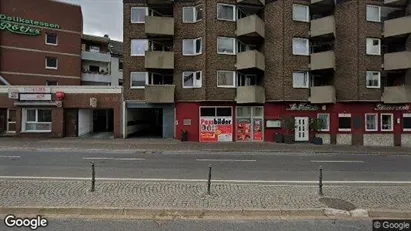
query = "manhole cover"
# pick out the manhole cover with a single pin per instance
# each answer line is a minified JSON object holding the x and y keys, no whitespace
{"x":337,"y":203}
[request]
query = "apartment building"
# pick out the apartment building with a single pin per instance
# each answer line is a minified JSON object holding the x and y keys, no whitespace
{"x":230,"y":70}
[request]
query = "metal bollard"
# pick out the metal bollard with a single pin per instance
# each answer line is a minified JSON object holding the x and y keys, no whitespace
{"x":209,"y":180}
{"x":320,"y":183}
{"x":93,"y":177}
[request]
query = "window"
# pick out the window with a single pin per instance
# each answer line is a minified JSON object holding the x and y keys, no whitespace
{"x":301,"y":13}
{"x":406,"y":122}
{"x":344,"y":122}
{"x":51,"y":39}
{"x":226,"y":45}
{"x":192,"y":46}
{"x":93,"y":68}
{"x":301,"y":46}
{"x":373,"y":79}
{"x":373,"y":13}
{"x":241,"y":47}
{"x":51,"y":63}
{"x":373,"y":46}
{"x":52,"y":83}
{"x":138,"y":79}
{"x":246,"y":79}
{"x":226,"y":12}
{"x":158,"y":79}
{"x":138,"y":14}
{"x":325,"y":121}
{"x":192,"y":79}
{"x":139,"y":47}
{"x":192,"y":14}
{"x":36,"y":120}
{"x":226,"y":79}
{"x":387,"y":122}
{"x":301,"y":80}
{"x":120,"y":65}
{"x":371,"y":122}
{"x":94,"y":49}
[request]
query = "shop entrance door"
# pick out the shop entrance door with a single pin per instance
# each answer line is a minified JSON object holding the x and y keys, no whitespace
{"x":11,"y":121}
{"x":250,"y":125}
{"x":301,"y":129}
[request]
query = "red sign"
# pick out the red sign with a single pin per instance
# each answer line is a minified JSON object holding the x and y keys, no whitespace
{"x":214,"y":129}
{"x":243,"y":129}
{"x":258,"y":129}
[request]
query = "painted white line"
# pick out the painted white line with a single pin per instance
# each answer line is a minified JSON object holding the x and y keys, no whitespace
{"x":111,"y":158}
{"x":226,"y":160}
{"x":10,"y":156}
{"x":202,"y":180}
{"x":337,"y":161}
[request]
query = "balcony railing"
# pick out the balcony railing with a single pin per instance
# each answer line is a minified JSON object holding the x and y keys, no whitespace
{"x":96,"y":56}
{"x":250,"y":59}
{"x":323,"y":60}
{"x":322,"y":94}
{"x":395,"y":2}
{"x":159,"y":60}
{"x":397,"y":60}
{"x":159,"y":26}
{"x":250,"y":94}
{"x":397,"y":94}
{"x":397,"y":26}
{"x":323,"y":26}
{"x":96,"y":77}
{"x":251,"y":26}
{"x":251,"y":2}
{"x":325,"y":2}
{"x":159,"y":93}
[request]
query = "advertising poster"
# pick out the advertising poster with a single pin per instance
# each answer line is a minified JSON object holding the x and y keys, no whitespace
{"x":215,"y":129}
{"x":258,"y":129}
{"x":243,"y":129}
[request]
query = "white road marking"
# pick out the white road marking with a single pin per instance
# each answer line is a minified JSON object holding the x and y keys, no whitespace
{"x":111,"y":158}
{"x":337,"y":161}
{"x":10,"y":156}
{"x":203,"y":180}
{"x":226,"y":160}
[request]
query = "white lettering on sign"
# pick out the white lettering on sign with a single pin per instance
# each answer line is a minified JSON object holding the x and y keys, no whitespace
{"x":35,"y":90}
{"x":382,"y":107}
{"x":40,"y":97}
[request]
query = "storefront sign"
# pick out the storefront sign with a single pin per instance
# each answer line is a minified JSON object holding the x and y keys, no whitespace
{"x":214,"y":129}
{"x":36,"y":97}
{"x":302,"y":107}
{"x":13,"y":25}
{"x":93,"y":102}
{"x":34,"y":90}
{"x":13,"y":93}
{"x":382,"y":107}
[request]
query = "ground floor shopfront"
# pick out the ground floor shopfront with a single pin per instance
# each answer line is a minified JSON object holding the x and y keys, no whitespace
{"x":369,"y":124}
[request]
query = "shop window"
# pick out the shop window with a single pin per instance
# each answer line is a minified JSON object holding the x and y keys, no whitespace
{"x":371,"y":122}
{"x":37,"y":120}
{"x":243,"y":112}
{"x":325,"y":121}
{"x":387,"y":122}
{"x":207,"y":111}
{"x":406,"y":122}
{"x":224,"y":111}
{"x":344,"y":122}
{"x":258,"y":112}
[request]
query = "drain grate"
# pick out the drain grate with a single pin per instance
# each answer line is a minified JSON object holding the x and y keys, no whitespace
{"x":336,"y":203}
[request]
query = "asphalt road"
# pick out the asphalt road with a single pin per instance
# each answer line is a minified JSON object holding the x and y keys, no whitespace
{"x":255,"y":167}
{"x":202,"y":225}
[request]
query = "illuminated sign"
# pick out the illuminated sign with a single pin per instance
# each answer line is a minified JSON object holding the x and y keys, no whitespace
{"x":14,"y":25}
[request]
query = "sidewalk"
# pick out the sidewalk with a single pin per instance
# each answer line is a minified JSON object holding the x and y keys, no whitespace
{"x":192,"y":196}
{"x":161,"y":145}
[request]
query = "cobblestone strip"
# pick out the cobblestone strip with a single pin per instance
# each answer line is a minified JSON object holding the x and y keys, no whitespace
{"x":193,"y":196}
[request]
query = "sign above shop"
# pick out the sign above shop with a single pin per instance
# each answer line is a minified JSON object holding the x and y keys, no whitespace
{"x":34,"y":90}
{"x":23,"y":26}
{"x":382,"y":107}
{"x":302,"y":107}
{"x":35,"y":97}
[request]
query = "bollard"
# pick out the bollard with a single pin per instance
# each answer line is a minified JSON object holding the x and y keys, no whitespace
{"x":320,"y":183}
{"x":209,"y":180}
{"x":93,"y":177}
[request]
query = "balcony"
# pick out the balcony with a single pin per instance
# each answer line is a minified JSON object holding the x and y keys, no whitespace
{"x":323,"y":2}
{"x":397,"y":26}
{"x":96,"y":77}
{"x":159,"y":26}
{"x":250,"y":94}
{"x":397,"y":94}
{"x":250,"y":59}
{"x":323,"y":60}
{"x":250,"y":26}
{"x":396,"y":2}
{"x":159,"y":2}
{"x":322,"y":94}
{"x":159,"y":93}
{"x":323,"y":26}
{"x":96,"y":56}
{"x":159,"y":60}
{"x":252,"y":2}
{"x":397,"y":60}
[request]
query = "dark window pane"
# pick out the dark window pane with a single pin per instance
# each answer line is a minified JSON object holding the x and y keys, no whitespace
{"x":51,"y":38}
{"x":223,"y":111}
{"x":344,"y":122}
{"x":51,"y":62}
{"x":94,"y":68}
{"x":407,"y":122}
{"x":120,"y":65}
{"x":51,"y":83}
{"x":207,"y":111}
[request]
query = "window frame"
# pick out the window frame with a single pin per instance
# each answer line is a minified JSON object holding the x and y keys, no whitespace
{"x":307,"y":13}
{"x":379,"y":13}
{"x":194,"y":47}
{"x":379,"y":79}
{"x":51,"y":68}
{"x":344,"y":115}
{"x":234,"y":12}
{"x":328,"y":122}
{"x":307,"y":46}
{"x":375,"y":123}
{"x":194,"y":79}
{"x":138,"y":55}
{"x":131,"y":14}
{"x":195,"y":14}
{"x":405,"y":115}
{"x":50,"y":81}
{"x":234,"y":79}
{"x":367,"y":49}
{"x":392,"y":122}
{"x":234,"y":40}
{"x":131,"y":80}
{"x":51,"y":44}
{"x":24,"y":120}
{"x":306,"y":73}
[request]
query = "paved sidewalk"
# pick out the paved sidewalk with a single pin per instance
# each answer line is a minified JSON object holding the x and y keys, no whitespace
{"x":161,"y":145}
{"x":181,"y":195}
